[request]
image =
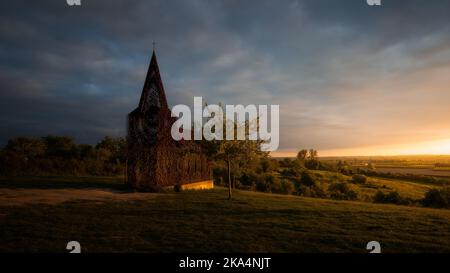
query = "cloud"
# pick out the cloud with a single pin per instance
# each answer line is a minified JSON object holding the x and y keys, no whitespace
{"x":343,"y":73}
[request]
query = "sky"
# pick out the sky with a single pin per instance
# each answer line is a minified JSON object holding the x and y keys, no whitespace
{"x":350,"y":79}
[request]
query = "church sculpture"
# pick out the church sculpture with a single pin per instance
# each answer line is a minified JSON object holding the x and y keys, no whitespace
{"x":154,"y":159}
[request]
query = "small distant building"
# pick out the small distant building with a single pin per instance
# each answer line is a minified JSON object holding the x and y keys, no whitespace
{"x":154,"y":159}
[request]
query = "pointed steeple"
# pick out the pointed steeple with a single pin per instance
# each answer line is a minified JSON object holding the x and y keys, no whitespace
{"x":153,"y":94}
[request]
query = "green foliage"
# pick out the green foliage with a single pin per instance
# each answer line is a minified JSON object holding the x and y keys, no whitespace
{"x":261,"y":184}
{"x":359,"y":179}
{"x":275,"y":184}
{"x":293,"y":171}
{"x":268,"y":183}
{"x":26,"y":147}
{"x":116,"y":147}
{"x":302,"y":155}
{"x":268,"y":165}
{"x":248,"y":178}
{"x":57,"y":155}
{"x":252,"y":169}
{"x":318,"y":190}
{"x":237,"y":155}
{"x":307,"y":179}
{"x":312,"y":164}
{"x":286,"y":163}
{"x":60,"y":146}
{"x":271,"y":181}
{"x":392,"y":197}
{"x":381,"y":197}
{"x":311,"y":186}
{"x":287,"y":187}
{"x":440,"y":181}
{"x":437,"y":198}
{"x":342,"y":191}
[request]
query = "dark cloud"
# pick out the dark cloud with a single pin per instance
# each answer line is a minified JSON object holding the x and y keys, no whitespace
{"x":330,"y":65}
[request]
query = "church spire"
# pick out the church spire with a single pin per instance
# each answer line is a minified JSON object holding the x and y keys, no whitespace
{"x":153,"y":94}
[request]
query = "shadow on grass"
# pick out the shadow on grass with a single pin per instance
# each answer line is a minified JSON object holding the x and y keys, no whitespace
{"x":63,"y":182}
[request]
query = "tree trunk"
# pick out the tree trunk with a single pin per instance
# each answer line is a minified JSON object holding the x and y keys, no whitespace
{"x":230,"y":196}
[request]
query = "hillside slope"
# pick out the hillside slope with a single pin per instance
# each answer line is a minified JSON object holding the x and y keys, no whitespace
{"x":205,"y":221}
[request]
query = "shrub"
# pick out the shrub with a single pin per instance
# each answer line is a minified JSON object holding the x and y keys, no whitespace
{"x":345,"y":170}
{"x":275,"y":186}
{"x":281,"y":186}
{"x":342,"y":191}
{"x":261,"y":185}
{"x":268,"y":165}
{"x":263,"y":182}
{"x":218,"y":174}
{"x":287,"y":187}
{"x":390,"y":198}
{"x":304,"y":191}
{"x":307,"y":179}
{"x":312,"y":164}
{"x":437,"y":198}
{"x":310,"y":186}
{"x":248,"y":178}
{"x":294,"y":171}
{"x":55,"y":155}
{"x":359,"y":179}
{"x":318,"y":190}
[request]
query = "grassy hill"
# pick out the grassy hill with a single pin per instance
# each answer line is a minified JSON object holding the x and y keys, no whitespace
{"x":204,"y":221}
{"x":406,"y":188}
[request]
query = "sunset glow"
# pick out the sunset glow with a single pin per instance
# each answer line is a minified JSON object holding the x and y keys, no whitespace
{"x":436,"y":147}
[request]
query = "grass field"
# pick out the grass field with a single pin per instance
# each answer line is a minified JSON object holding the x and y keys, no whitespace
{"x":205,"y":221}
{"x":408,"y":189}
{"x":421,"y":171}
{"x":429,"y":165}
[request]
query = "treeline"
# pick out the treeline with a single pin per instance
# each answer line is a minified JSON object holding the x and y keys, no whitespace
{"x":299,"y":177}
{"x":236,"y":164}
{"x":59,"y":155}
{"x":265,"y":174}
{"x":439,"y":181}
{"x":293,"y":177}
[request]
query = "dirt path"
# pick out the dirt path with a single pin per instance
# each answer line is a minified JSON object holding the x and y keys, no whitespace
{"x":17,"y":197}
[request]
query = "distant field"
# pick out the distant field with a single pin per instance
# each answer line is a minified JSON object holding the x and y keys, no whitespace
{"x":110,"y":220}
{"x":420,"y":171}
{"x":407,"y":189}
{"x":429,"y":165}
